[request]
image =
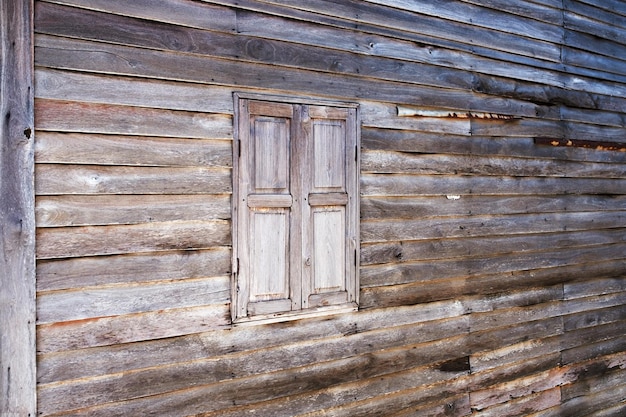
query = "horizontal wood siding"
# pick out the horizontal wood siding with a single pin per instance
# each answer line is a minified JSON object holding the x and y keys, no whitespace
{"x":492,"y":268}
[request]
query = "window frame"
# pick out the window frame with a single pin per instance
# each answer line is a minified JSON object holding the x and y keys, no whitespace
{"x":352,"y":213}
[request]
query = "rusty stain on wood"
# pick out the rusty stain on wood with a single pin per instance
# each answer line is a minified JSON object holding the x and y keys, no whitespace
{"x":404,"y":111}
{"x":579,"y":143}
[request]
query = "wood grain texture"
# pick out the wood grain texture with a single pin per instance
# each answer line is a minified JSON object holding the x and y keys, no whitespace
{"x":84,"y":272}
{"x":69,"y":116}
{"x":78,"y":148}
{"x":109,"y":240}
{"x":101,"y":210}
{"x":55,"y":179}
{"x":67,"y":306}
{"x":17,"y":223}
{"x":114,"y":330}
{"x":491,"y":268}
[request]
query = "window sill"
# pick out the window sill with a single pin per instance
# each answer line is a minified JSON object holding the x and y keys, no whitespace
{"x":295,"y":315}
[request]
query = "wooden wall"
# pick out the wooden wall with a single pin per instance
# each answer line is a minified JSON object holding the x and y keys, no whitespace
{"x":492,"y":262}
{"x":17,"y":212}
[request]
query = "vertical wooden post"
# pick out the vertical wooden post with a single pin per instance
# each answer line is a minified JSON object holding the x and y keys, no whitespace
{"x":17,"y":216}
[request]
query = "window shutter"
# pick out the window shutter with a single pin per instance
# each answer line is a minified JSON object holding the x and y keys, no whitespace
{"x":265,"y":209}
{"x":295,"y":209}
{"x":329,"y":231}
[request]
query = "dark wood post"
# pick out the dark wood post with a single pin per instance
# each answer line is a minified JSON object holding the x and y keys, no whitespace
{"x":17,"y":211}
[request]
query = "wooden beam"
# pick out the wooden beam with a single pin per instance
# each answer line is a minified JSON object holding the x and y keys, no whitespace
{"x":17,"y":217}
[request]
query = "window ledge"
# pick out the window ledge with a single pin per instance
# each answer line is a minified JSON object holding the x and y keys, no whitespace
{"x":295,"y":315}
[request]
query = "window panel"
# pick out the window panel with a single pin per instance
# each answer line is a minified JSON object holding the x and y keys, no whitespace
{"x":329,"y":153}
{"x":271,"y":154}
{"x":295,"y":210}
{"x":329,"y":252}
{"x":270,"y":270}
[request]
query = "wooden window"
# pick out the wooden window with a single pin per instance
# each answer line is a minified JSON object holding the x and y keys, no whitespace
{"x":295,"y":209}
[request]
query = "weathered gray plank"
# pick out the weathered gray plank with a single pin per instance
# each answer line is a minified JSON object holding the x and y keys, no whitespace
{"x":180,"y":12}
{"x":518,"y":65}
{"x":407,"y":141}
{"x":595,"y":317}
{"x":106,"y":331}
{"x":53,"y":179}
{"x":100,"y":210}
{"x":418,"y":207}
{"x":532,"y":403}
{"x":591,"y":287}
{"x":89,"y":56}
{"x":428,"y":291}
{"x":396,"y":162}
{"x":443,"y":185}
{"x":154,"y":353}
{"x":584,"y":344}
{"x":426,"y":271}
{"x":65,"y":274}
{"x":548,"y":11}
{"x":520,"y":388}
{"x":108,"y":240}
{"x":499,"y":360}
{"x":248,"y":386}
{"x":77,"y":148}
{"x":17,"y":222}
{"x":454,"y":22}
{"x":400,"y":230}
{"x":71,"y":116}
{"x":127,"y":91}
{"x":389,"y":252}
{"x":73,"y":305}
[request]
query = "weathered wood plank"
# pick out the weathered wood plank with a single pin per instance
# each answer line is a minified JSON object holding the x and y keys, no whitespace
{"x":595,"y":317}
{"x":74,"y":305}
{"x":121,"y":30}
{"x":411,"y":163}
{"x":127,"y":91}
{"x":545,"y":11}
{"x":180,"y":12}
{"x":109,"y":240}
{"x":612,"y":6}
{"x":454,"y":22}
{"x":70,"y":116}
{"x":429,"y":291}
{"x":154,"y":353}
{"x":588,"y":343}
{"x":481,"y":321}
{"x":400,"y":230}
{"x":17,"y":222}
{"x":523,"y":406}
{"x":590,"y":304}
{"x":425,"y":271}
{"x":591,"y":287}
{"x":407,"y":141}
{"x":390,"y":252}
{"x":65,"y":274}
{"x":56,"y":179}
{"x":443,"y":185}
{"x":247,"y":388}
{"x":100,"y":210}
{"x":501,"y":359}
{"x":417,"y":207}
{"x":562,"y":274}
{"x":96,"y":57}
{"x":107,"y":331}
{"x":77,"y":148}
{"x":520,"y":388}
{"x":502,"y":62}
